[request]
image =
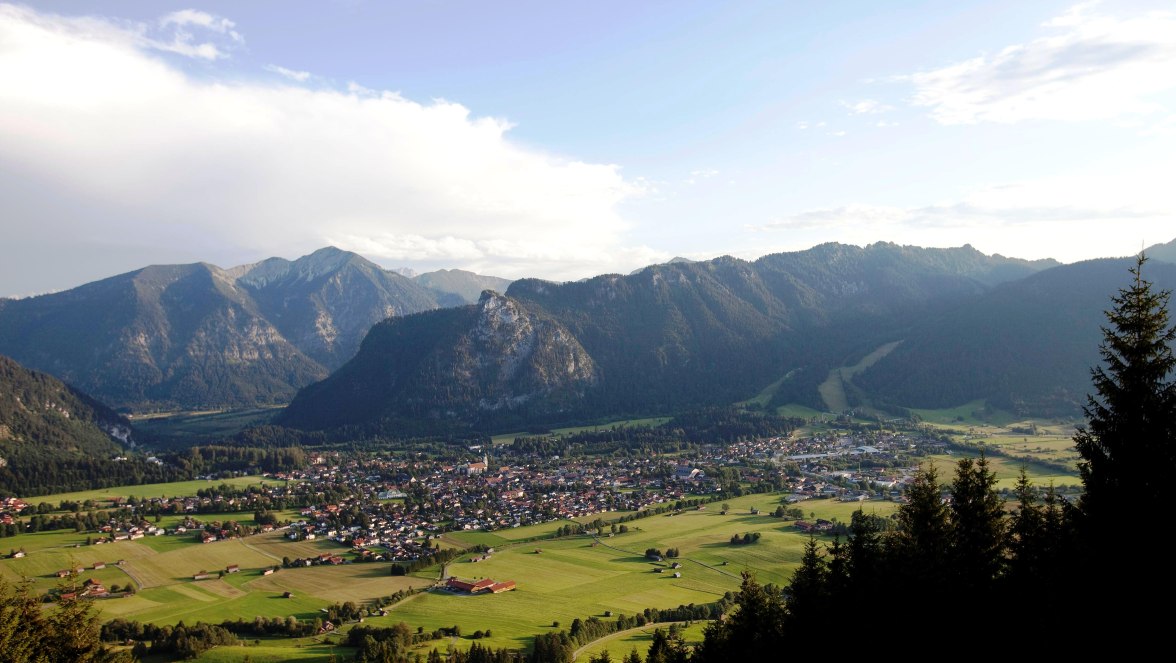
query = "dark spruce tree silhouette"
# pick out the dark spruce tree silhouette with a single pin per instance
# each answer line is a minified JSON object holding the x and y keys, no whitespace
{"x":1128,"y":464}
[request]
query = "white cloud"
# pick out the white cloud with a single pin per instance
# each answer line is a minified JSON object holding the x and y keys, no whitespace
{"x":1055,"y":218}
{"x":866,"y":107}
{"x":1091,"y":66}
{"x":157,"y":158}
{"x":701,"y":174}
{"x":174,"y":33}
{"x":292,"y":74}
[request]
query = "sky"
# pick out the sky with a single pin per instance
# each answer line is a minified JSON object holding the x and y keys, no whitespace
{"x":563,"y":140}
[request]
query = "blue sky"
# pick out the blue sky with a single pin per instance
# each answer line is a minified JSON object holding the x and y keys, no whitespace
{"x":564,"y":140}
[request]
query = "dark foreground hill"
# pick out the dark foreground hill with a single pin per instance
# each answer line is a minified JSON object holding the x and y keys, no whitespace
{"x":1026,"y":346}
{"x":55,"y":437}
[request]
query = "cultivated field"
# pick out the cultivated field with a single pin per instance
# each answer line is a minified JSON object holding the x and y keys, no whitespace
{"x":620,"y":644}
{"x":178,"y":489}
{"x":577,"y":577}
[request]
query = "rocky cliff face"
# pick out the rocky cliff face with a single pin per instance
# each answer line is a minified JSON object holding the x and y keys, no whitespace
{"x":515,"y":356}
{"x":493,"y":359}
{"x":662,"y":339}
{"x":326,"y":302}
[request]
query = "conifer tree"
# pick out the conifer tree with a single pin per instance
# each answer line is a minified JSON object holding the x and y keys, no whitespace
{"x":1128,"y":450}
{"x":1127,"y":446}
{"x":978,"y":530}
{"x":807,"y":593}
{"x":753,"y":631}
{"x":917,"y":550}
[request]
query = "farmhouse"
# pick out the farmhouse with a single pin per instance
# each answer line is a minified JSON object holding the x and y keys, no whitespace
{"x":504,"y":586}
{"x":232,"y":568}
{"x":203,"y":575}
{"x":477,"y":586}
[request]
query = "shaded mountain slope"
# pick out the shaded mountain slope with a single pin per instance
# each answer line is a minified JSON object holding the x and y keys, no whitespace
{"x":493,"y":358}
{"x":1026,"y":346}
{"x":665,"y":338}
{"x":53,"y":435}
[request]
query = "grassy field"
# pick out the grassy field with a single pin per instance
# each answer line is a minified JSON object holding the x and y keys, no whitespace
{"x":273,"y":651}
{"x":620,"y":644}
{"x":571,"y":577}
{"x":507,"y":438}
{"x":175,"y":489}
{"x":187,"y":428}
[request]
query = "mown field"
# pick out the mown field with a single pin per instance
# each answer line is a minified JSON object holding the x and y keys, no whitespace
{"x":575,"y":577}
{"x":103,"y":496}
{"x":620,"y":644}
{"x":571,"y":577}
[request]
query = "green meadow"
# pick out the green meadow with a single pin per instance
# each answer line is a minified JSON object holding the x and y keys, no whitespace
{"x":507,"y":438}
{"x":176,"y":489}
{"x":186,"y":428}
{"x":562,"y":579}
{"x":618,"y":645}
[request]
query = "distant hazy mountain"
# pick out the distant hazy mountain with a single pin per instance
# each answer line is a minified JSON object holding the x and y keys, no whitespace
{"x":669,"y":336}
{"x":52,"y":434}
{"x":325,"y":303}
{"x":462,"y":286}
{"x":1164,"y":252}
{"x":196,"y":335}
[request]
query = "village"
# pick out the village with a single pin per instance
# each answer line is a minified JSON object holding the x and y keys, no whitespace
{"x":393,"y":509}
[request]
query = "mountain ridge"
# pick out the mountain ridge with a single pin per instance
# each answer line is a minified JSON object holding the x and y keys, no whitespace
{"x":196,"y":336}
{"x":686,"y":334}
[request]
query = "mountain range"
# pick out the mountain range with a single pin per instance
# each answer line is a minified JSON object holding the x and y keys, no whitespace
{"x":884,"y":326}
{"x":348,"y":343}
{"x":198,"y":336}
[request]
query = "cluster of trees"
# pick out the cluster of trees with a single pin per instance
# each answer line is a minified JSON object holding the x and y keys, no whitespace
{"x":955,"y":557}
{"x":395,"y":644}
{"x":667,"y":646}
{"x":437,"y":557}
{"x":121,"y":630}
{"x":558,"y":647}
{"x":793,"y":512}
{"x":745,"y":539}
{"x":69,"y":632}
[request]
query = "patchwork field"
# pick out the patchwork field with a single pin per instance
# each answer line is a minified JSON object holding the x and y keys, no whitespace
{"x":578,"y":577}
{"x":569,"y":578}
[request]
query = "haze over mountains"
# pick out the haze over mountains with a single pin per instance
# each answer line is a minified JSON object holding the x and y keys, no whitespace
{"x":940,"y":327}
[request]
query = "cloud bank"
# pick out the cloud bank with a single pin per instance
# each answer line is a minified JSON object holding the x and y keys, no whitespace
{"x":1090,"y":67}
{"x":1049,"y":218}
{"x":114,"y":144}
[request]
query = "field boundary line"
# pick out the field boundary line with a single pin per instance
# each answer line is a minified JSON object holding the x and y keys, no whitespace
{"x":702,"y":564}
{"x":261,"y":552}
